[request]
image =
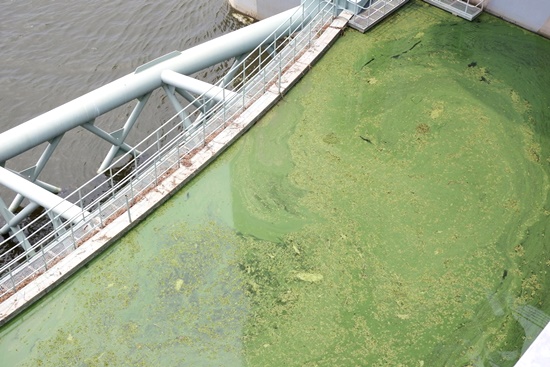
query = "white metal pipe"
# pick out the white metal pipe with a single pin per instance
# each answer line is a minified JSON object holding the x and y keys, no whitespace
{"x":195,"y":86}
{"x":40,"y":196}
{"x":147,"y":78}
{"x":19,"y":217}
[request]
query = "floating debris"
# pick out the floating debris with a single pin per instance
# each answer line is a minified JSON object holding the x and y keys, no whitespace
{"x":244,"y":19}
{"x":309,"y":277}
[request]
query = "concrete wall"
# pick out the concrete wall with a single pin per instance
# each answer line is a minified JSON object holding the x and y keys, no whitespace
{"x":533,"y":15}
{"x":261,"y":9}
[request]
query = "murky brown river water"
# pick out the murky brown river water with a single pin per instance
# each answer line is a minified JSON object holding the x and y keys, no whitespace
{"x":54,"y":51}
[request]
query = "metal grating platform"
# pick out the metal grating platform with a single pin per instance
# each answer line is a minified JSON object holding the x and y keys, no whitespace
{"x":374,"y":13}
{"x":463,"y":8}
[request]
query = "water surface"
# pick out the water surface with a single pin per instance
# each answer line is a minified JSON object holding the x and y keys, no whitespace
{"x":55,"y":51}
{"x":391,"y":210}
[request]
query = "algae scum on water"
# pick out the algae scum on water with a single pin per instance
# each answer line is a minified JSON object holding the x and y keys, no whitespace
{"x":390,"y":211}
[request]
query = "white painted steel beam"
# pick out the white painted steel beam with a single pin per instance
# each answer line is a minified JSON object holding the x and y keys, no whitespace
{"x":42,"y":197}
{"x":145,"y":79}
{"x":196,"y":86}
{"x":142,"y":101}
{"x":19,"y":235}
{"x":33,"y":172}
{"x":19,"y":217}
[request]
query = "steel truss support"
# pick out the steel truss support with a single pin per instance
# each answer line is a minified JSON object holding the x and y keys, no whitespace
{"x":19,"y":217}
{"x":43,"y":197}
{"x":188,"y":85}
{"x":190,"y":98}
{"x":122,"y":134}
{"x":57,"y":224}
{"x":192,"y":85}
{"x":144,"y":80}
{"x":32,"y":173}
{"x":14,"y":228}
{"x":168,"y":72}
{"x":113,"y":138}
{"x":233,"y":70}
{"x":169,"y":91}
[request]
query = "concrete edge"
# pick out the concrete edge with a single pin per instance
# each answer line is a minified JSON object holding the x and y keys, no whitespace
{"x":538,"y":353}
{"x":544,"y":31}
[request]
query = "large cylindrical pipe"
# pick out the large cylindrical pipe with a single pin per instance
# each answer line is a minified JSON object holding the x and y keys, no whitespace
{"x":19,"y":217}
{"x":42,"y":197}
{"x":104,"y":99}
{"x":196,"y":86}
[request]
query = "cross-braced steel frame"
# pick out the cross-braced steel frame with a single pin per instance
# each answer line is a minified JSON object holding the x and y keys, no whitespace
{"x":168,"y":73}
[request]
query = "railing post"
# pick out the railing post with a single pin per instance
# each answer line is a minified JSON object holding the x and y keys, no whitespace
{"x":158,"y":141}
{"x":294,"y":50}
{"x":156,"y":176}
{"x":12,"y":281}
{"x":224,"y":108}
{"x":203,"y":124}
{"x":243,"y":90}
{"x":112,"y":182}
{"x":72,"y":236}
{"x":128,"y":208}
{"x":81,"y":203}
{"x":260,"y":56}
{"x":131,"y":181}
{"x":289,"y":27}
{"x":44,"y":256}
{"x":100,"y":214}
{"x":265,"y":86}
{"x":309,"y":34}
{"x":244,"y":82}
{"x":280,"y":73}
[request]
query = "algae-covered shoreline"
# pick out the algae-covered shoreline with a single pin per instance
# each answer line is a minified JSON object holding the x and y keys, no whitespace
{"x":391,"y":210}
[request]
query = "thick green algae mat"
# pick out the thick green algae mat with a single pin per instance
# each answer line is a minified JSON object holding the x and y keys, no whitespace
{"x":391,"y":211}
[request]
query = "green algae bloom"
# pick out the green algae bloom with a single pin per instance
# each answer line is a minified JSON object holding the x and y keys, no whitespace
{"x":390,"y":211}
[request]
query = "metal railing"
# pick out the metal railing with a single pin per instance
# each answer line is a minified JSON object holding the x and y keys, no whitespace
{"x":168,"y":148}
{"x":373,"y":9}
{"x":467,"y":9}
{"x":368,"y":13}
